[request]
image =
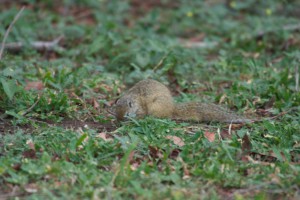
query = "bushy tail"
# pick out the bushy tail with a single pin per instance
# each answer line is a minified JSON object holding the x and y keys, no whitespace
{"x":204,"y":112}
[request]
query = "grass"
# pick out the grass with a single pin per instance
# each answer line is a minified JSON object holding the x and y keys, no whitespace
{"x":58,"y":141}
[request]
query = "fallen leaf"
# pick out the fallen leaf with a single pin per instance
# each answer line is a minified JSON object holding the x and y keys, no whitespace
{"x":29,"y":154}
{"x":134,"y":166}
{"x":186,"y":171}
{"x":30,"y":144}
{"x":174,"y":153}
{"x":35,"y":85}
{"x":155,"y":152}
{"x":225,"y":134}
{"x":197,"y":38}
{"x":110,"y":103}
{"x":134,"y":163}
{"x":96,"y":104}
{"x":189,"y":44}
{"x":274,"y":177}
{"x":131,"y":156}
{"x":106,"y":87}
{"x":210,"y":136}
{"x":246,"y":145}
{"x":278,"y":155}
{"x":222,"y":99}
{"x":17,"y":166}
{"x":177,"y":140}
{"x":104,"y":136}
{"x":235,"y":126}
{"x":251,"y":160}
{"x":246,"y":149}
{"x":31,"y":188}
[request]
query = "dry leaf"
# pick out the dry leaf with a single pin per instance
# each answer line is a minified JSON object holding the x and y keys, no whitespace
{"x":186,"y":171}
{"x":104,"y":136}
{"x":131,"y":156}
{"x":17,"y":166}
{"x":177,"y":140}
{"x":134,"y":163}
{"x":110,"y":103}
{"x":251,"y":160}
{"x":274,"y":177}
{"x":31,"y":188}
{"x":225,"y":134}
{"x":96,"y":104}
{"x":222,"y":99}
{"x":35,"y":85}
{"x":174,"y":153}
{"x":246,"y":145}
{"x":29,"y":154}
{"x":210,"y":136}
{"x":270,"y":157}
{"x":30,"y":144}
{"x":155,"y":152}
{"x":271,"y":153}
{"x":134,"y":166}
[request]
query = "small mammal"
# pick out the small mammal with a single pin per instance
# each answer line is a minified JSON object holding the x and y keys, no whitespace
{"x":150,"y":97}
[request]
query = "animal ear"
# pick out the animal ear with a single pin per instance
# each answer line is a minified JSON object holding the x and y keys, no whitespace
{"x":129,"y":104}
{"x":116,"y":101}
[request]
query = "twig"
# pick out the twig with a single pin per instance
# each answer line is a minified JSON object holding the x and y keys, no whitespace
{"x":160,"y":62}
{"x":38,"y":45}
{"x":31,"y":107}
{"x":8,"y":30}
{"x":282,"y":113}
{"x":41,"y":122}
{"x":297,"y":79}
{"x":289,"y":27}
{"x":13,"y":193}
{"x":274,"y":117}
{"x":219,"y":134}
{"x":229,"y":128}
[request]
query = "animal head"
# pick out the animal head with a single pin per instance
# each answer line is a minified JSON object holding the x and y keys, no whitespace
{"x":127,"y":107}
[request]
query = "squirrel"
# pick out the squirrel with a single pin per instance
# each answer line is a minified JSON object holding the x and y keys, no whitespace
{"x":150,"y":97}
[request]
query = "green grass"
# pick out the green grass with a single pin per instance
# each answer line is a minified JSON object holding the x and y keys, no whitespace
{"x":47,"y":152}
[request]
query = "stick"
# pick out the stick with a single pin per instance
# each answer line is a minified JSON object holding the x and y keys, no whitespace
{"x":31,"y":107}
{"x":160,"y":62}
{"x":274,"y":117}
{"x":8,"y":30}
{"x":297,"y":79}
{"x":38,"y":45}
{"x":289,"y":27}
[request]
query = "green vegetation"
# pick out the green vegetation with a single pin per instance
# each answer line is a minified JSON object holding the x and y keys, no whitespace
{"x":240,"y":54}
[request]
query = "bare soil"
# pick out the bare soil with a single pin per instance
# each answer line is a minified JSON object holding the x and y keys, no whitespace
{"x":6,"y":127}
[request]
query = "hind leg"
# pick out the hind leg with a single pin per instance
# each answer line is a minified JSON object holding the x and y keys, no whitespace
{"x":161,"y":107}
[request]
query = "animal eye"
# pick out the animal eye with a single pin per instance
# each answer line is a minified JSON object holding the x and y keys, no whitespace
{"x":130,"y":104}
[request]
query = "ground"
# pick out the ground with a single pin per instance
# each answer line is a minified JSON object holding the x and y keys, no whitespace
{"x":66,"y":62}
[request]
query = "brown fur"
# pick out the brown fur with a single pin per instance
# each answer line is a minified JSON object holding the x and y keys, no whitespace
{"x":150,"y":97}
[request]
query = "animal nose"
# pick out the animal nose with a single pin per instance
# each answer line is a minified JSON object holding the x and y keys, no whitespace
{"x":130,"y":115}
